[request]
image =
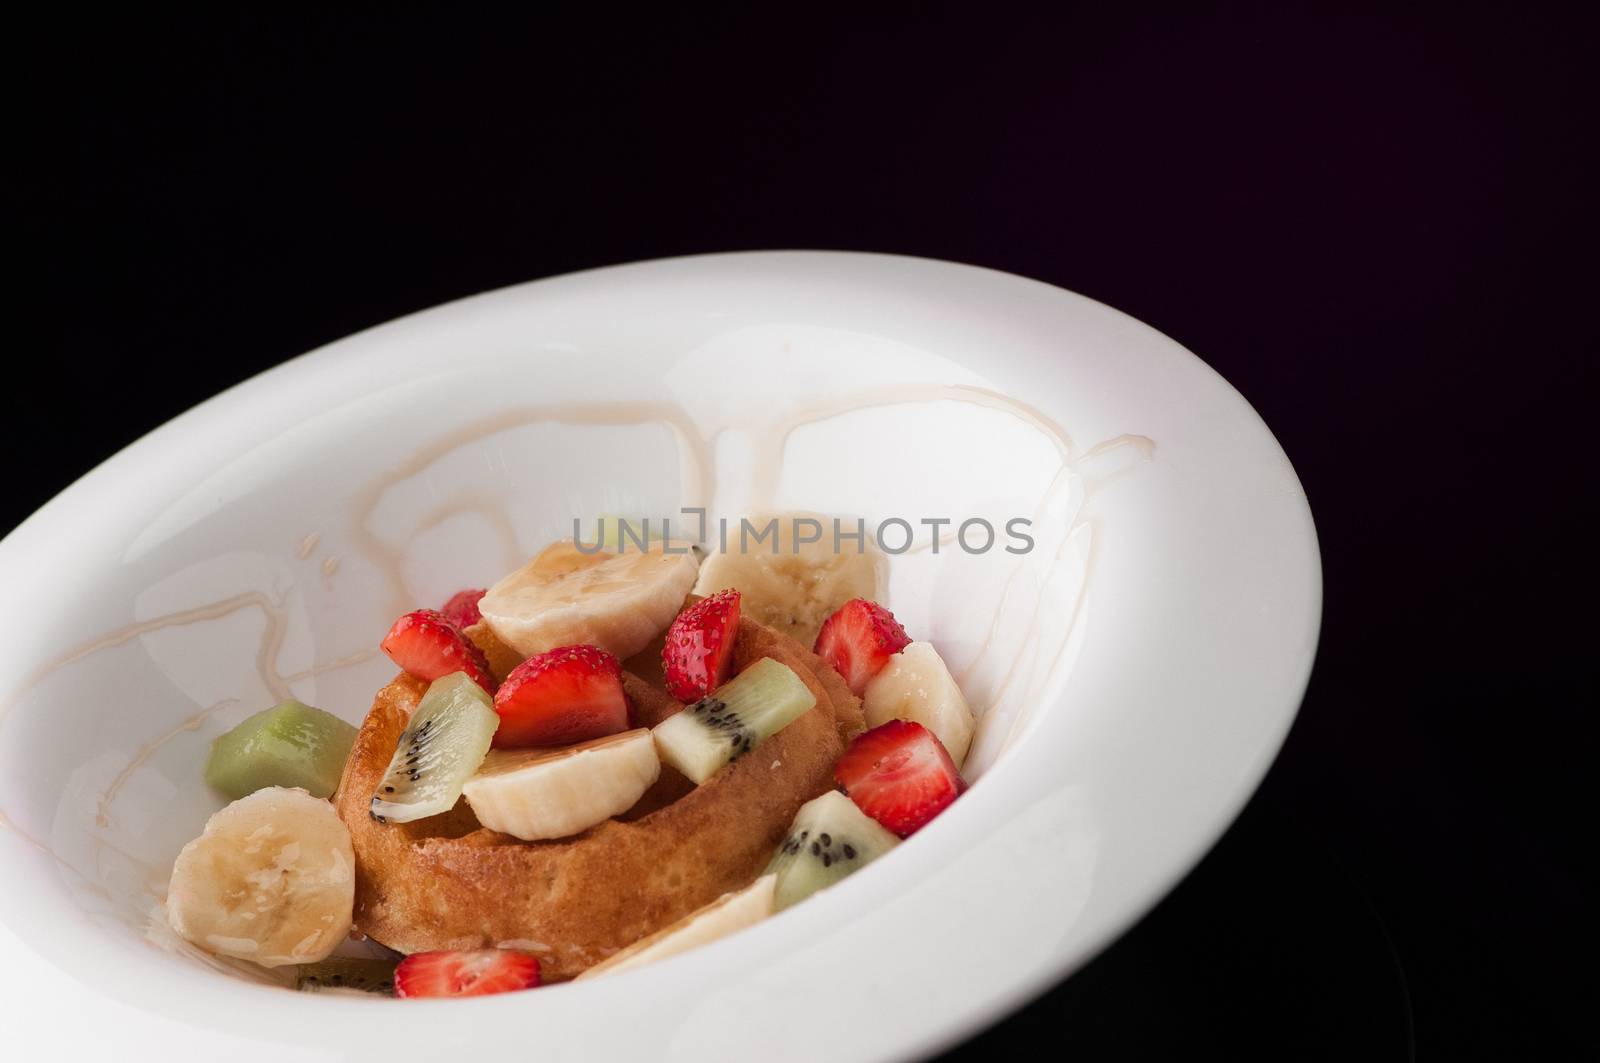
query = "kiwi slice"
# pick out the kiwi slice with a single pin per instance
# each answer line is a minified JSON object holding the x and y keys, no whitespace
{"x":440,"y":749}
{"x":611,"y":525}
{"x":367,"y":976}
{"x":732,"y":720}
{"x":291,"y":744}
{"x":830,"y":838}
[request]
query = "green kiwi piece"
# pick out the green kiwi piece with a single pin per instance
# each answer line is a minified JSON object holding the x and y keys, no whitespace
{"x":733,"y":719}
{"x":830,"y":839}
{"x":440,"y":749}
{"x":291,"y":744}
{"x":611,"y":525}
{"x":368,"y":976}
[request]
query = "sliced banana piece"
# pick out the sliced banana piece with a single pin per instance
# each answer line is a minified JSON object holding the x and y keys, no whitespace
{"x":792,"y":591}
{"x":915,"y":685}
{"x":271,"y":880}
{"x":534,"y":794}
{"x":564,"y":597}
{"x":727,"y":914}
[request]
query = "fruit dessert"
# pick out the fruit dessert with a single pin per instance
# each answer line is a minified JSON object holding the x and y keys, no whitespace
{"x":588,"y":767}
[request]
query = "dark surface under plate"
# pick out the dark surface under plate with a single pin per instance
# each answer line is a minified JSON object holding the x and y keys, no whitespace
{"x":1374,"y":221}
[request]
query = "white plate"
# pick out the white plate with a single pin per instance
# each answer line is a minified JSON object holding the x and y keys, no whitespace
{"x":1138,"y":669}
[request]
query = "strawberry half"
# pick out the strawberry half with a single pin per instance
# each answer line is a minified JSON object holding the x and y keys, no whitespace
{"x":427,"y":645}
{"x":858,"y":641}
{"x":470,"y":973}
{"x":462,"y":608}
{"x":699,"y":647}
{"x":899,"y":774}
{"x":559,"y":697}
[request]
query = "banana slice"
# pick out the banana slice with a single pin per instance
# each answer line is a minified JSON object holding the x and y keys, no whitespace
{"x":915,"y":685}
{"x":794,"y":591}
{"x":563,"y":597}
{"x":729,"y":913}
{"x":534,"y":794}
{"x":271,"y":880}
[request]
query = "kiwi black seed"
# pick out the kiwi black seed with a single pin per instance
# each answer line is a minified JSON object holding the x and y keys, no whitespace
{"x":830,"y":838}
{"x":368,"y":976}
{"x":445,"y":743}
{"x":741,"y":714}
{"x":713,"y":713}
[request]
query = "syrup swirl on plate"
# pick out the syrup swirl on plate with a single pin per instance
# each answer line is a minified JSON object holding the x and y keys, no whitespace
{"x":1038,"y":655}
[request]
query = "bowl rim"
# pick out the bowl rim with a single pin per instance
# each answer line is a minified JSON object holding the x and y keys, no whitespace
{"x":979,"y":1012}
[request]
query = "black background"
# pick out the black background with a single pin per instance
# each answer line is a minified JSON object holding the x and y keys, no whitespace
{"x":1374,"y":221}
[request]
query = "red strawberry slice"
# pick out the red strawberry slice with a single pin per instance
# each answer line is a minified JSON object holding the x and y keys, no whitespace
{"x":858,"y":641}
{"x":559,"y":697}
{"x":462,"y":608}
{"x":699,"y":647}
{"x":428,"y":646}
{"x":471,"y":973}
{"x":899,"y":774}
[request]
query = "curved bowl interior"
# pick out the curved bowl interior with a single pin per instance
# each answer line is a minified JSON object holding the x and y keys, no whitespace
{"x":1135,"y":669}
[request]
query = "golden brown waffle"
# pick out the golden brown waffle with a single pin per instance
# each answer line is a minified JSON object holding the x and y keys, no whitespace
{"x":448,"y":883}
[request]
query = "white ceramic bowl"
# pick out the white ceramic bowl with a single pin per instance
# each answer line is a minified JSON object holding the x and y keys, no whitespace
{"x":1137,"y":670}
